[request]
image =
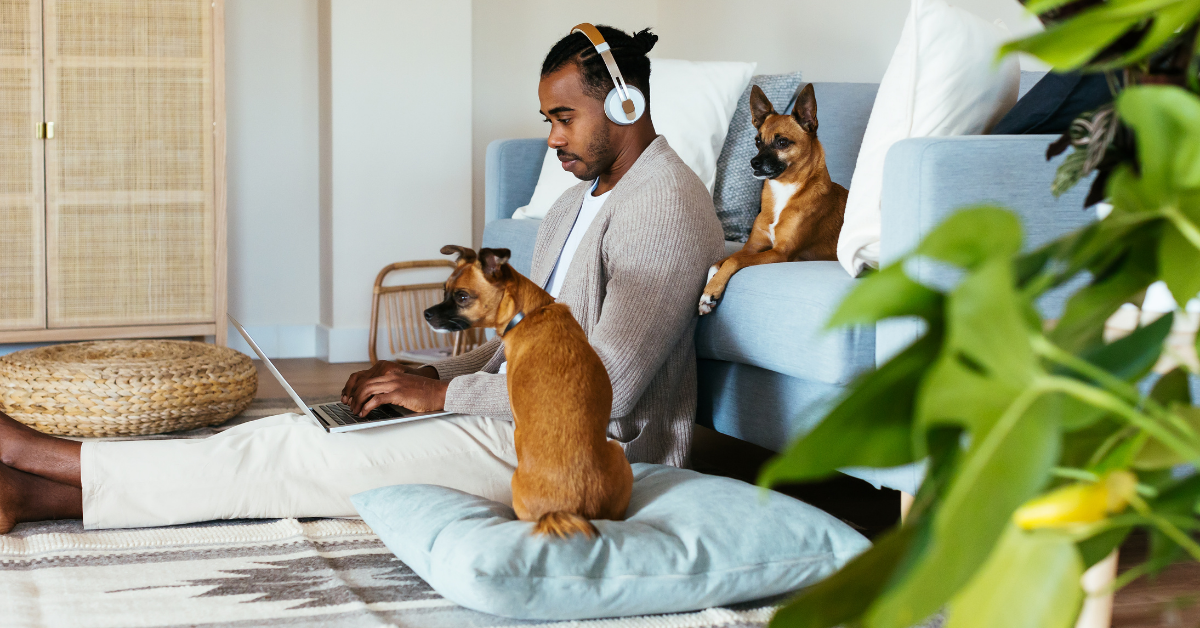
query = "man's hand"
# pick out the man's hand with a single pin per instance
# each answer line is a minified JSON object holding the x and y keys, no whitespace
{"x":379,"y":369}
{"x":418,"y":390}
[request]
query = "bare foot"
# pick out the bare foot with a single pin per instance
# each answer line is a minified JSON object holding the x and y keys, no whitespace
{"x":26,"y":449}
{"x":10,"y":497}
{"x":27,"y":497}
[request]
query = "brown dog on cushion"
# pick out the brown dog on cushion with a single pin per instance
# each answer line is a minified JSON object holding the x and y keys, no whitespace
{"x":802,"y":209}
{"x":568,"y":472}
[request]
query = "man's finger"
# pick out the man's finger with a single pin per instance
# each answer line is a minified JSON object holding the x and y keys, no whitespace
{"x":358,"y":379}
{"x":375,"y":386}
{"x":348,"y":389}
{"x":380,"y":399}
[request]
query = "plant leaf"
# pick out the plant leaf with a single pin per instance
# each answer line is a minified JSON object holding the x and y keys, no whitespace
{"x":1074,"y":42}
{"x":1166,"y":120}
{"x":1082,"y":323}
{"x":1069,"y":172}
{"x":997,"y":475}
{"x":1129,"y":358}
{"x":844,"y":596}
{"x":1173,"y":386}
{"x":1031,"y":580}
{"x":986,"y":361}
{"x":870,"y":427}
{"x":886,"y":294}
{"x":984,"y":381}
{"x":1038,"y":7}
{"x":847,"y":594}
{"x":1080,"y":446}
{"x":1168,"y":20}
{"x":1155,"y":455}
{"x":1181,"y":499}
{"x":1095,"y":549}
{"x":1179,"y":264}
{"x":973,"y":236}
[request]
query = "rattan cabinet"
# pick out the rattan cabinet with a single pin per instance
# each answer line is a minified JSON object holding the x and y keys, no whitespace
{"x":112,"y":169}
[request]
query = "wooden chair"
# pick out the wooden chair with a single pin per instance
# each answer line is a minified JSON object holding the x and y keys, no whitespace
{"x":410,"y":339}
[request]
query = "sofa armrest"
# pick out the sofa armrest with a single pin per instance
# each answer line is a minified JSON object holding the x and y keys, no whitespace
{"x":927,"y":179}
{"x":512,"y":172}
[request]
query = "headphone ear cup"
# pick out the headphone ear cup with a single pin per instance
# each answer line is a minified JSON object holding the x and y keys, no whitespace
{"x":612,"y":106}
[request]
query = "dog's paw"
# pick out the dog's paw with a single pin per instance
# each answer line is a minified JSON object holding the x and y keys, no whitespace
{"x":707,"y":303}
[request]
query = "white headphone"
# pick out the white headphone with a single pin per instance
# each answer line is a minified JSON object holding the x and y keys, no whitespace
{"x":625,"y":104}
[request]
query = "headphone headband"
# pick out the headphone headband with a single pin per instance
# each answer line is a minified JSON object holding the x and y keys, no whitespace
{"x":605,"y":52}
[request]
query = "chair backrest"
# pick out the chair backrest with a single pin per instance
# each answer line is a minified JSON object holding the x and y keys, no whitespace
{"x":402,"y":307}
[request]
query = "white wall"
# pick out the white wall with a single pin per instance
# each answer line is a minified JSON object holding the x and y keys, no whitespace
{"x":400,"y":86}
{"x":271,"y":105}
{"x":848,"y":40}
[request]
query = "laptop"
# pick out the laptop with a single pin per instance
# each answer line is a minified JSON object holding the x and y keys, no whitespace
{"x":336,"y":416}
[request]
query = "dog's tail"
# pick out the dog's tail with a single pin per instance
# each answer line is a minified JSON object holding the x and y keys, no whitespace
{"x":564,"y":524}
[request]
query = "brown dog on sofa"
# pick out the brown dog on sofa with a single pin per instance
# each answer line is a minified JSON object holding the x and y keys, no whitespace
{"x":802,"y":209}
{"x":567,"y":470}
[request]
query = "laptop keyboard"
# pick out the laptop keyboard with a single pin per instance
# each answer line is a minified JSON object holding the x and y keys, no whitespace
{"x":340,"y":413}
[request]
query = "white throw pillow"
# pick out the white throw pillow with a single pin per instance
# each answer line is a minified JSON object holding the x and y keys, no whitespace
{"x":942,"y":80}
{"x":691,"y":104}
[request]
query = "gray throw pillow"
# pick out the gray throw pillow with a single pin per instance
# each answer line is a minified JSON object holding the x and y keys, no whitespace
{"x":736,"y":193}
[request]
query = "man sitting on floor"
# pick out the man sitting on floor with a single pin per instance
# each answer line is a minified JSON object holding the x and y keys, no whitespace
{"x":628,"y":251}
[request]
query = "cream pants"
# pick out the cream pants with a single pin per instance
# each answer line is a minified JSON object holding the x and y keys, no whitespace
{"x":288,"y":466}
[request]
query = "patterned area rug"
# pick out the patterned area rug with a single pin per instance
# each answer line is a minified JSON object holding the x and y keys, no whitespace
{"x":287,"y":572}
{"x":322,"y":572}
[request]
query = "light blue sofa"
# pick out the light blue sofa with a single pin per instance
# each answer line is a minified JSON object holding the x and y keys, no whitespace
{"x":768,"y":369}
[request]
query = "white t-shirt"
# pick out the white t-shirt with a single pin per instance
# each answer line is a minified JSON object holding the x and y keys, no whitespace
{"x":587,"y":213}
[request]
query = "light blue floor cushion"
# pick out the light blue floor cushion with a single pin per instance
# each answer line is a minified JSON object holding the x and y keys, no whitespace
{"x":690,"y":541}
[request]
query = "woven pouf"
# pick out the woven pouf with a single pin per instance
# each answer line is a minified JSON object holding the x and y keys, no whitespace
{"x":125,"y":387}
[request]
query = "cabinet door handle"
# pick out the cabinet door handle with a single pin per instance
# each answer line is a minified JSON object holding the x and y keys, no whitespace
{"x":45,"y":131}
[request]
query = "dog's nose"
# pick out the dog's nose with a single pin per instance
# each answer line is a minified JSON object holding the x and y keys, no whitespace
{"x":756,"y":162}
{"x":428,"y":315}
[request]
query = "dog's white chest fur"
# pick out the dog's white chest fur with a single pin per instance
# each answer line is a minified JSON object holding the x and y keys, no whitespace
{"x":781,"y":193}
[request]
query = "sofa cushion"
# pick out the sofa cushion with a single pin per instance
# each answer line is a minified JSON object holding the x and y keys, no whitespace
{"x":774,"y":317}
{"x":689,"y":541}
{"x":516,"y":235}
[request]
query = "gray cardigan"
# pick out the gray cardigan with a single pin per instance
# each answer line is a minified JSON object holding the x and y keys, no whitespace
{"x":633,"y":285}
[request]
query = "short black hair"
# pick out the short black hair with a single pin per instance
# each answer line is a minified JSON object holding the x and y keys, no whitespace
{"x":629,"y":51}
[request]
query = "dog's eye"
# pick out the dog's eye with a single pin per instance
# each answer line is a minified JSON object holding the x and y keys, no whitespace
{"x":757,"y":142}
{"x":782,"y":142}
{"x":461,"y":297}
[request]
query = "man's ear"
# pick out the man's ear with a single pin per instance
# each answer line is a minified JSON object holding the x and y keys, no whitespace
{"x":493,"y":261}
{"x":760,"y":106}
{"x":465,"y":255}
{"x":805,"y":112}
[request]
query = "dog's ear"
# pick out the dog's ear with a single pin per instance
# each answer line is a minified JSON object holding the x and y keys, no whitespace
{"x":760,"y":106}
{"x":493,"y":260}
{"x":805,"y":112}
{"x":465,"y":255}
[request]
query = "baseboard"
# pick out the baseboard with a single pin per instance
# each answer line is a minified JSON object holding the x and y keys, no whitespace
{"x":342,"y":344}
{"x":278,"y":341}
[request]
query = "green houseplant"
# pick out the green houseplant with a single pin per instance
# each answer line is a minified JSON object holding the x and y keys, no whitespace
{"x":1043,"y":452}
